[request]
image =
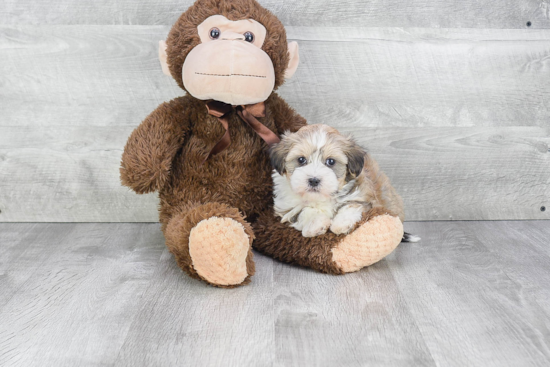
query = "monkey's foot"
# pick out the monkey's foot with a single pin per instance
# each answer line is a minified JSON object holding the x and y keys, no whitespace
{"x":212,"y":242}
{"x":218,"y":248}
{"x":369,"y":243}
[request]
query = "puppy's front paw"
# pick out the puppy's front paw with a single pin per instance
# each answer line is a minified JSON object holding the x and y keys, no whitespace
{"x":316,"y":227}
{"x":345,"y":220}
{"x":339,"y":227}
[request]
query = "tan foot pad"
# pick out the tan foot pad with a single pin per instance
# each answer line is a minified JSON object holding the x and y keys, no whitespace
{"x":218,"y":249}
{"x":369,"y":243}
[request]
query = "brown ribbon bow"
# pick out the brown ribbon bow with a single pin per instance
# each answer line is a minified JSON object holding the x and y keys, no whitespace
{"x":247,"y":113}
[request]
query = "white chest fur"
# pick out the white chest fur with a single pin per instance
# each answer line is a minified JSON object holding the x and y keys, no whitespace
{"x":288,"y":204}
{"x":312,"y":213}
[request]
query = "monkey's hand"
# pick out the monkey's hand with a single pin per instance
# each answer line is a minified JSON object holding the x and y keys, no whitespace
{"x":152,"y":146}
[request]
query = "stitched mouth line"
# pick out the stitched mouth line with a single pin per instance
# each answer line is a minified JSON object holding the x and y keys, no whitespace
{"x":254,"y":76}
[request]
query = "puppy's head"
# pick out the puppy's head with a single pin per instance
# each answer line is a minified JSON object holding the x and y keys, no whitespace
{"x":317,"y":160}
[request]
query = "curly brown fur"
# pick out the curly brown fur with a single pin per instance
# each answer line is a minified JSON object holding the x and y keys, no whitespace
{"x":240,"y":176}
{"x":166,"y":153}
{"x":150,"y":149}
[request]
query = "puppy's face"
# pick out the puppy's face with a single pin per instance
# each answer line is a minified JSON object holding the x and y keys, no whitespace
{"x":317,"y":160}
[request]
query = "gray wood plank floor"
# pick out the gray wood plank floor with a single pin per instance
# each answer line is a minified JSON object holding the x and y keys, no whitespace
{"x":469,"y":294}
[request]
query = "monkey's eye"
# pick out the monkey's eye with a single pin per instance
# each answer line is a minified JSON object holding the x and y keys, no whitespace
{"x":214,"y":33}
{"x":302,"y":160}
{"x":249,"y":37}
{"x":330,"y":162}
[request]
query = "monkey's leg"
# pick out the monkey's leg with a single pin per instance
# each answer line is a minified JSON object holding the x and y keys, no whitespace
{"x":212,"y":242}
{"x":374,"y":237}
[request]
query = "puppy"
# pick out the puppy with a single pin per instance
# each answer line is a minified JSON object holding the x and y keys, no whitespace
{"x":325,"y":180}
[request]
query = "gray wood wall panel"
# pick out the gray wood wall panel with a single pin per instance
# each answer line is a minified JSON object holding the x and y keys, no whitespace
{"x":422,"y":77}
{"x":110,"y":75}
{"x":81,"y":75}
{"x":374,"y":13}
{"x":67,"y":174}
{"x":70,"y":174}
{"x":458,"y":118}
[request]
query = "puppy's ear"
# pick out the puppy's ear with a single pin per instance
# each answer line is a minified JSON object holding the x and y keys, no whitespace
{"x":356,"y":160}
{"x":277,"y":155}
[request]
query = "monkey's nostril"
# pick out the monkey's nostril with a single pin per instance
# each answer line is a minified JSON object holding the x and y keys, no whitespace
{"x":314,"y":182}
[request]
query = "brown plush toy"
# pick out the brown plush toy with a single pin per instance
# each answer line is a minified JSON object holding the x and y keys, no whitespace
{"x":206,"y":152}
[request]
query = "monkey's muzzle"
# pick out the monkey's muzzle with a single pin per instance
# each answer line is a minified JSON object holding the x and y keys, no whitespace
{"x":231,"y":71}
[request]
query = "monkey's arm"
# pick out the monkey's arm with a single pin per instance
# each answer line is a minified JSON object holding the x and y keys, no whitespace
{"x":286,"y":119}
{"x":151,"y":147}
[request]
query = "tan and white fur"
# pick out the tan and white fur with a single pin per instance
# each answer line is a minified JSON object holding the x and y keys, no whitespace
{"x":324,"y":180}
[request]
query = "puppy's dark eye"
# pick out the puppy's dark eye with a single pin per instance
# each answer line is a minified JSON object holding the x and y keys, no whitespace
{"x":330,"y":162}
{"x":302,"y":160}
{"x":249,"y":37}
{"x":214,"y":33}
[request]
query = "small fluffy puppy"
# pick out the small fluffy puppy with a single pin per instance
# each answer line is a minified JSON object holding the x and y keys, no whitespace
{"x":324,"y":180}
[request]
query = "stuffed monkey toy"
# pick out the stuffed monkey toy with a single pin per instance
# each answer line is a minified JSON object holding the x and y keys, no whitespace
{"x":206,"y":152}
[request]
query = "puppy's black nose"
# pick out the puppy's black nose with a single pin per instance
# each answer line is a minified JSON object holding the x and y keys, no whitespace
{"x":313,"y":182}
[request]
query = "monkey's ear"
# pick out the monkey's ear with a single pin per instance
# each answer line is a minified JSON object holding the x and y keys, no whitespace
{"x":356,"y":160}
{"x":163,"y":58}
{"x":294,"y":60}
{"x":277,"y":155}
